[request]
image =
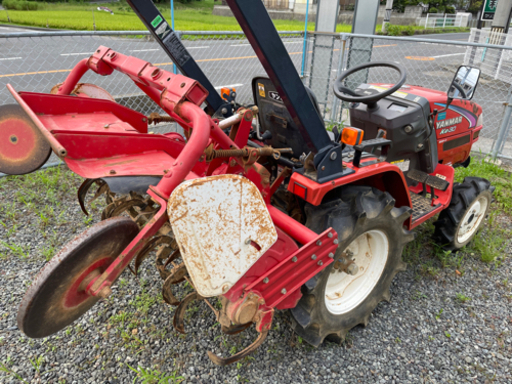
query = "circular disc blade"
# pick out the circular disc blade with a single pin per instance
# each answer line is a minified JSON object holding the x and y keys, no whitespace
{"x":23,"y":148}
{"x":57,"y":296}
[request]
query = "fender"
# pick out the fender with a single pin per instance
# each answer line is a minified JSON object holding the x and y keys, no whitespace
{"x":383,"y":176}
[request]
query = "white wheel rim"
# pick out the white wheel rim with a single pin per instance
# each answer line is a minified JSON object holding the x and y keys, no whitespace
{"x":472,"y":220}
{"x":344,"y":292}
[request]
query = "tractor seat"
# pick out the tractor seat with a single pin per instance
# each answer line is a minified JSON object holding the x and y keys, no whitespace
{"x":275,"y":118}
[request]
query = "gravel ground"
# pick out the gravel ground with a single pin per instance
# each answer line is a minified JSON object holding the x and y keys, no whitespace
{"x":443,"y":325}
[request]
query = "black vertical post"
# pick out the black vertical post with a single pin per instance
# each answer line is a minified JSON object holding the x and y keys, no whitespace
{"x":266,"y":42}
{"x":172,"y":45}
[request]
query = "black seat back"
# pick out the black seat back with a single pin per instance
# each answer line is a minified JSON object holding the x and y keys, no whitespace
{"x":274,"y":117}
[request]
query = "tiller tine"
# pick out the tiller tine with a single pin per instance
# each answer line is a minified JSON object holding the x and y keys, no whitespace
{"x":240,"y":355}
{"x":240,"y":315}
{"x":84,"y":189}
{"x":150,"y":246}
{"x":179,"y":315}
{"x":82,"y":193}
{"x":235,"y":329}
{"x":176,"y":276}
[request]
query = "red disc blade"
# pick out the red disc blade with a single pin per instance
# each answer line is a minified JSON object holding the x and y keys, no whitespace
{"x":23,"y":148}
{"x":57,"y":296}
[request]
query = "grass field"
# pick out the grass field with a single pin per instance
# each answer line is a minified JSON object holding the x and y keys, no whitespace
{"x":194,"y":16}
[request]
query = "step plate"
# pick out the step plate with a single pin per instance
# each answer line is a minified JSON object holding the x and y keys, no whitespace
{"x":421,"y":206}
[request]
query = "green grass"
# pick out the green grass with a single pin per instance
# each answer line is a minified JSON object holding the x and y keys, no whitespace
{"x":154,"y":376}
{"x":193,"y":16}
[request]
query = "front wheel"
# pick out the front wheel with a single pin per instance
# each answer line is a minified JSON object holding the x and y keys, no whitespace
{"x":372,"y":237}
{"x":458,"y":224}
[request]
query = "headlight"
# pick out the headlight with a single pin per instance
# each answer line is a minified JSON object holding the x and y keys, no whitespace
{"x":480,"y":120}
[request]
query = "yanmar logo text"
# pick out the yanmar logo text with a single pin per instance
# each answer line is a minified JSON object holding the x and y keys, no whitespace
{"x":445,"y":123}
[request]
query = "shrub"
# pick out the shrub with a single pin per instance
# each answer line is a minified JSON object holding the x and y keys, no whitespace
{"x":394,"y":30}
{"x":432,"y":10}
{"x":20,"y":5}
{"x":449,"y":9}
{"x":408,"y":31}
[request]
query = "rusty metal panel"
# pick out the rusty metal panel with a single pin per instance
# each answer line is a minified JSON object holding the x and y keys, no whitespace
{"x":222,"y":227}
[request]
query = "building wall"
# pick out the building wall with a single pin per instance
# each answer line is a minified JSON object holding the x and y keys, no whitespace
{"x":298,"y":12}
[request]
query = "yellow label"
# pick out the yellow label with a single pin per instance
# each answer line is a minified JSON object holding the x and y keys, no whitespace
{"x":261,"y":88}
{"x":380,"y":89}
{"x":399,"y":94}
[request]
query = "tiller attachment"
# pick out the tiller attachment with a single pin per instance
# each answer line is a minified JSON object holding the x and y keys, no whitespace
{"x":202,"y":204}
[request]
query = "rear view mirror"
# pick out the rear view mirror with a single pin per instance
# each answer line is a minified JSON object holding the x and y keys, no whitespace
{"x":464,"y":83}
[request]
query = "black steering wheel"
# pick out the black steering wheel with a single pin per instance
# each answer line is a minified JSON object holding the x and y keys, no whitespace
{"x":347,"y":94}
{"x":458,"y":87}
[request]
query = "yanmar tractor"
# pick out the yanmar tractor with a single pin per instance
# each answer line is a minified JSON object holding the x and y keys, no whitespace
{"x":278,"y":216}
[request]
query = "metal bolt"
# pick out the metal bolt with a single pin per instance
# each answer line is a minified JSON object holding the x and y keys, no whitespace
{"x":335,"y":241}
{"x":313,"y":257}
{"x":319,"y":243}
{"x":323,"y":168}
{"x":144,"y":119}
{"x":112,"y":172}
{"x":333,"y":156}
{"x":420,"y":146}
{"x":320,"y":262}
{"x":331,"y":255}
{"x":283,"y":291}
{"x":265,"y":280}
{"x":225,"y":288}
{"x":329,"y":235}
{"x":248,"y":241}
{"x":105,"y":292}
{"x":182,"y":85}
{"x":294,"y":259}
{"x":224,"y":111}
{"x":408,"y":128}
{"x":352,"y":269}
{"x":106,"y":125}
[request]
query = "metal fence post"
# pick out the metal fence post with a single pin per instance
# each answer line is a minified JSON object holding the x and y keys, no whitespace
{"x":343,"y":43}
{"x":305,"y":45}
{"x":504,"y":127}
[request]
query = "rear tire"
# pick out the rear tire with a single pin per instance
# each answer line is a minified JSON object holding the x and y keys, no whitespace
{"x":368,"y":225}
{"x":458,"y":224}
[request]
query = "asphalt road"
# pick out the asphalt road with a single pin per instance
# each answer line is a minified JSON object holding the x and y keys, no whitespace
{"x":34,"y":64}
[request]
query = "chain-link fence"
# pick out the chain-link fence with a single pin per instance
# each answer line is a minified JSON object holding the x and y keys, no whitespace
{"x":429,"y":63}
{"x":37,"y":61}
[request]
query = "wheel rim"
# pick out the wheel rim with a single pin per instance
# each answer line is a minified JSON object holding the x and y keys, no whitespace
{"x":344,"y":292}
{"x":472,"y":220}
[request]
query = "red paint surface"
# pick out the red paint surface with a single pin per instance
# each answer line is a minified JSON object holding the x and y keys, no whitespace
{"x":73,"y":297}
{"x":23,"y":135}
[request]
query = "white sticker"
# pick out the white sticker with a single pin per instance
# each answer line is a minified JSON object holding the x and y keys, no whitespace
{"x":402,"y":164}
{"x":441,"y":176}
{"x":161,"y":29}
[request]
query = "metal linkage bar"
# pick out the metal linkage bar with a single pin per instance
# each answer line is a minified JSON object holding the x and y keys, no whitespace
{"x":262,"y":34}
{"x":170,"y":42}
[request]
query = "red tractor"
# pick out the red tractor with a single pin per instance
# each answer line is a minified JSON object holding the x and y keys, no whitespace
{"x":277,"y":215}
